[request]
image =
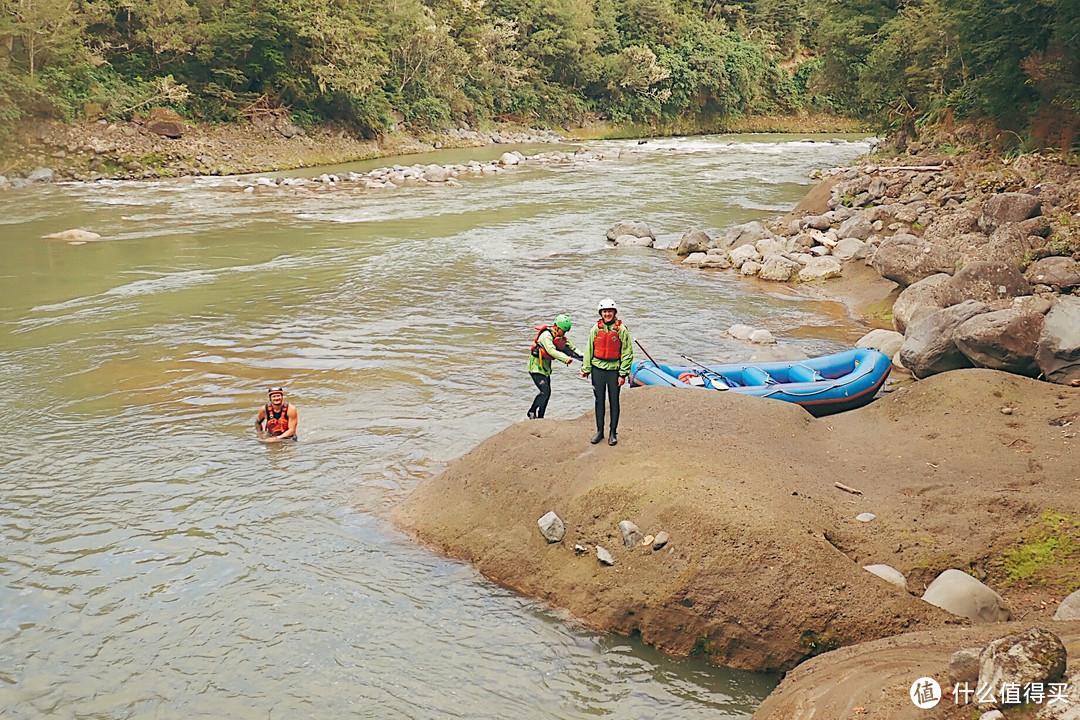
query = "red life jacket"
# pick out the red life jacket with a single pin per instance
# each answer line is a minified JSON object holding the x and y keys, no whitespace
{"x":608,"y":344}
{"x":538,"y":350}
{"x":279,"y":423}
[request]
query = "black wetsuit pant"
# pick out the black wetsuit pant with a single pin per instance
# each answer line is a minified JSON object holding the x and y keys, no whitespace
{"x":540,"y":402}
{"x":606,"y":382}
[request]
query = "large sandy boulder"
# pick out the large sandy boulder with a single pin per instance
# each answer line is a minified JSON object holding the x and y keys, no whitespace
{"x":887,"y":341}
{"x":906,"y":259}
{"x":693,"y":240}
{"x":857,"y":227}
{"x":1002,"y":340}
{"x":745,"y":234}
{"x":1059,"y":343}
{"x":957,"y":592}
{"x":821,"y":268}
{"x":1003,"y":208}
{"x":930,"y":347}
{"x":984,"y":281}
{"x":1060,"y":273}
{"x":636,"y":228}
{"x":919,"y":300}
{"x":779,"y":268}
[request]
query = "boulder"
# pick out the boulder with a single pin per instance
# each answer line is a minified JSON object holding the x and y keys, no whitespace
{"x":40,"y":175}
{"x":906,"y":259}
{"x":779,"y":268}
{"x":695,"y":259}
{"x":743,"y":254}
{"x":1058,"y":353}
{"x":1060,"y":273}
{"x":750,"y":268}
{"x":1021,"y":658}
{"x":985,"y":281}
{"x":716,"y":259}
{"x":1002,"y":340}
{"x":436,"y":173}
{"x":761,"y":336}
{"x":635,"y":228}
{"x":746,"y":234}
{"x":740,"y":331}
{"x":770,"y":246}
{"x":1009,"y":243}
{"x":1004,"y":208}
{"x":821,"y":268}
{"x":631,"y":533}
{"x":957,"y":592}
{"x":1065,"y":708}
{"x":552,"y":527}
{"x":889,"y":574}
{"x":1069,"y":608}
{"x":73,"y":235}
{"x":693,"y":240}
{"x":930,"y":347}
{"x":964,"y":665}
{"x":850,"y":249}
{"x":508,"y":158}
{"x":857,"y":227}
{"x":948,"y":228}
{"x":918,"y":301}
{"x":633,"y":241}
{"x":887,"y":341}
{"x":166,"y":128}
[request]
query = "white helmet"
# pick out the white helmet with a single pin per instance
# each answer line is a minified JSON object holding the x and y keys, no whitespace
{"x":607,"y":304}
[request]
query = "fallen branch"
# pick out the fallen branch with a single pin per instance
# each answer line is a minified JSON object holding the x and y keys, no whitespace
{"x":851,"y":490}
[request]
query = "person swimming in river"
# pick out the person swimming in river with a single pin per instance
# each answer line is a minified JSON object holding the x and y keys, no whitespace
{"x":280,"y":418}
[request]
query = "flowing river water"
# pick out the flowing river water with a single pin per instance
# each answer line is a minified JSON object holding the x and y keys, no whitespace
{"x":158,"y":562}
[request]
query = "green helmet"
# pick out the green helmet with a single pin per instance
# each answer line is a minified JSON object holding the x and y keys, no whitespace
{"x":563,"y":321}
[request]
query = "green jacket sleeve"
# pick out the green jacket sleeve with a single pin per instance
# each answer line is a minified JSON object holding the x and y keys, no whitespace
{"x":586,"y":364}
{"x":548,"y":343}
{"x":626,"y":357}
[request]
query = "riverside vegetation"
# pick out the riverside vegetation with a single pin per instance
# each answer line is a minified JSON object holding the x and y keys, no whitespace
{"x":430,"y":65}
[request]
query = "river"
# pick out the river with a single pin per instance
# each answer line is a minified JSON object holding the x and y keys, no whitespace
{"x":158,"y":562}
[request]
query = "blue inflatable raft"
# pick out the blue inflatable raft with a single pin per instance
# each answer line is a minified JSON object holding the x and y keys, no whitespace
{"x":823,"y":385}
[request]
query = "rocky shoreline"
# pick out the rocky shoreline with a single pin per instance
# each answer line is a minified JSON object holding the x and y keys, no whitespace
{"x":984,"y":257}
{"x":163,"y":146}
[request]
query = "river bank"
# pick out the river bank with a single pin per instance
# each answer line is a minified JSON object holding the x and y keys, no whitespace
{"x":137,"y":149}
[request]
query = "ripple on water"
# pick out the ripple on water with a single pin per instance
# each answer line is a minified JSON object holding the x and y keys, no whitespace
{"x":158,"y":562}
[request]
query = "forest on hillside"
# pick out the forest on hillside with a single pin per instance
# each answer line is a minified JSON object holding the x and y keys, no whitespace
{"x":432,"y":64}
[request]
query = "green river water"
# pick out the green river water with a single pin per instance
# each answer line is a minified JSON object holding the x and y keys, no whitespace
{"x":157,"y":562}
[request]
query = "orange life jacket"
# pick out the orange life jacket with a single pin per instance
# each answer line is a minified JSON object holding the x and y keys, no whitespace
{"x":538,"y":350}
{"x":608,"y":344}
{"x":279,"y":423}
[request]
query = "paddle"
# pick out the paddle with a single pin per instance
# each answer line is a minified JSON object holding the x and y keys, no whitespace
{"x":708,"y":370}
{"x":655,"y":364}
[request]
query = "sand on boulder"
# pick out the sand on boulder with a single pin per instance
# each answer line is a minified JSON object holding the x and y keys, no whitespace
{"x":764,"y":563}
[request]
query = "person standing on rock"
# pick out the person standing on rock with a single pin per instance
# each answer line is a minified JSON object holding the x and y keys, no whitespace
{"x":550,"y":342}
{"x":608,"y":357}
{"x":281,"y":418}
